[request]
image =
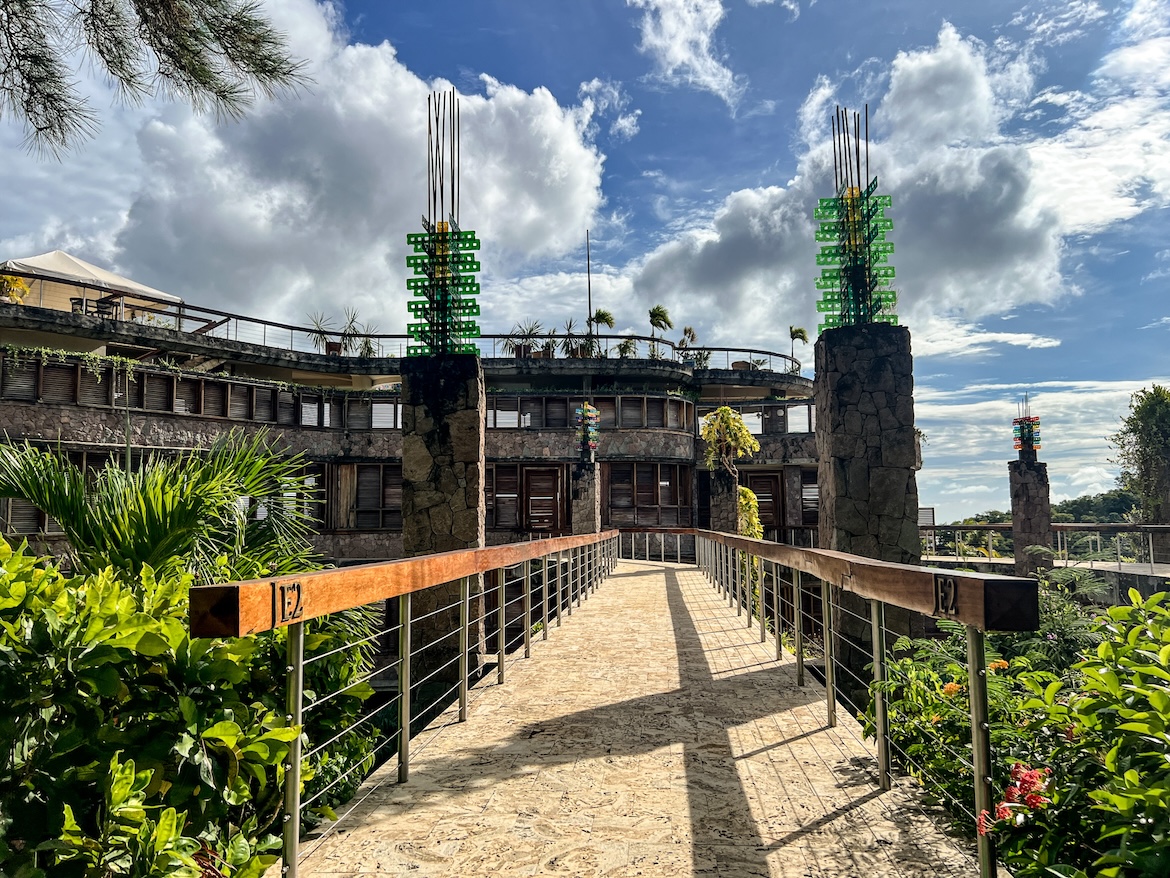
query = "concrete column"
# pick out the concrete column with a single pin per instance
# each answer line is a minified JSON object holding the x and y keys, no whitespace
{"x":443,"y":418}
{"x":586,"y":497}
{"x":1031,"y":511}
{"x":864,"y":391}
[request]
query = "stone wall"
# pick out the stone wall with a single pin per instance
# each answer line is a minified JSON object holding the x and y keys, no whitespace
{"x":647,"y":444}
{"x":443,"y":506}
{"x":103,"y":426}
{"x":1031,"y":512}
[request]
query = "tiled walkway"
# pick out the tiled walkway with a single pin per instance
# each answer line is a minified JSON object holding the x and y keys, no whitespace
{"x":651,"y":735}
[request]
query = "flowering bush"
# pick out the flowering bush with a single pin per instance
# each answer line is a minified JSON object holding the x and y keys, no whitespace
{"x":1081,"y":753}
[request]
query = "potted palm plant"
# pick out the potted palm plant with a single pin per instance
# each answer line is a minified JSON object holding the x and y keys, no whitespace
{"x":660,"y":320}
{"x":522,"y":340}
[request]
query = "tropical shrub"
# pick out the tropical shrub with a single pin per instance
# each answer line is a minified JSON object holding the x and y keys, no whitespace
{"x":1081,"y":749}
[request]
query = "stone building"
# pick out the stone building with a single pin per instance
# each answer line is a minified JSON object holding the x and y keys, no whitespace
{"x":184,"y":374}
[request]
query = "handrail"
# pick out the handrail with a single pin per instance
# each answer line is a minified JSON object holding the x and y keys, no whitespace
{"x":986,"y":601}
{"x":241,"y":608}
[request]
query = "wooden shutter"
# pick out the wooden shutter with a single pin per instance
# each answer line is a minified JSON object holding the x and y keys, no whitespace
{"x":532,"y":413}
{"x":645,"y":478}
{"x":157,"y":393}
{"x":631,"y":412}
{"x":187,"y":396}
{"x":621,"y":494}
{"x":23,"y":517}
{"x":265,"y":409}
{"x":369,"y":496}
{"x":310,"y":411}
{"x":810,"y":496}
{"x":655,"y":413}
{"x":95,"y":388}
{"x":540,"y":490}
{"x":607,"y":412}
{"x":214,"y":398}
{"x":360,"y":415}
{"x":286,"y":407}
{"x":557,"y":413}
{"x":20,"y":382}
{"x":238,"y":402}
{"x":392,"y":495}
{"x":57,"y":382}
{"x":767,"y":491}
{"x":674,"y":414}
{"x":507,"y":496}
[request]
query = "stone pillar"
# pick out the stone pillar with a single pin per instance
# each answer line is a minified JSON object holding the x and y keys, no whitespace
{"x":724,"y":501}
{"x":586,"y":494}
{"x":443,"y":417}
{"x":864,"y":391}
{"x":1031,"y":511}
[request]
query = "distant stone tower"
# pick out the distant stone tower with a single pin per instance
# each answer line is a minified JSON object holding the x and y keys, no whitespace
{"x":1031,"y":502}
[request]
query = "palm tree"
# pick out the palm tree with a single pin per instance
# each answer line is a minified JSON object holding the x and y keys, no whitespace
{"x":601,"y":317}
{"x":795,"y":334}
{"x":238,"y":512}
{"x":660,"y":320}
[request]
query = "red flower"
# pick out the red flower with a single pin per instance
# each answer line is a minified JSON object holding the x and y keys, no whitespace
{"x":1033,"y":780}
{"x":981,"y":822}
{"x":1012,"y":793}
{"x":1018,"y":771}
{"x":1002,"y":811}
{"x":1035,"y":800}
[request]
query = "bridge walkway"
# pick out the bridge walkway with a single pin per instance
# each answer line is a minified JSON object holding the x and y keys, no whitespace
{"x":652,"y":735}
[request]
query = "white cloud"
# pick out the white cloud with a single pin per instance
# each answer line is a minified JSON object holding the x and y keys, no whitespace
{"x":793,"y":6}
{"x":1057,"y":23}
{"x":601,"y":98}
{"x":680,"y":36}
{"x":301,"y":206}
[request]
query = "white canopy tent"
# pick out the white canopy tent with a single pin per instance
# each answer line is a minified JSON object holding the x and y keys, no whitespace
{"x":56,"y":279}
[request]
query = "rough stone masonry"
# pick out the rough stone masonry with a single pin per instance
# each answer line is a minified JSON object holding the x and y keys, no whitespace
{"x":443,"y":507}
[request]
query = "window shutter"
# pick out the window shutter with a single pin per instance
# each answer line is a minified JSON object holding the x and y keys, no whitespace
{"x":57,"y":383}
{"x":95,"y":389}
{"x":157,"y":394}
{"x":20,"y":382}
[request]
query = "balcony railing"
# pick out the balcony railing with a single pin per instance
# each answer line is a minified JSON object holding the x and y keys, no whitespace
{"x":296,"y":338}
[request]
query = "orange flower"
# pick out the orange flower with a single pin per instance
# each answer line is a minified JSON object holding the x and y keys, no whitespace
{"x":951,"y":689}
{"x":997,"y":665}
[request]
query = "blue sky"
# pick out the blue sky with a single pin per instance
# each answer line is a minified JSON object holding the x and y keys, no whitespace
{"x":1026,"y":148}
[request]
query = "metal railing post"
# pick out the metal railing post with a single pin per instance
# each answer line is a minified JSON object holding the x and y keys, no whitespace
{"x":464,"y":624}
{"x":647,"y":545}
{"x":404,"y":688}
{"x":544,"y":592}
{"x":678,"y":548}
{"x":980,"y":743}
{"x":798,"y":630}
{"x":501,"y":627}
{"x":528,"y":608}
{"x":557,"y":567}
{"x":830,"y":669}
{"x":763,"y":591}
{"x":877,"y":614}
{"x":737,"y":578}
{"x":570,"y":578}
{"x":294,"y":700}
{"x":777,"y":610}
